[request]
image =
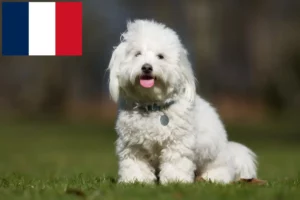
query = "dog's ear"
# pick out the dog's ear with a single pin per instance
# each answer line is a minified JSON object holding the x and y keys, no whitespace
{"x":114,"y":65}
{"x":189,"y":86}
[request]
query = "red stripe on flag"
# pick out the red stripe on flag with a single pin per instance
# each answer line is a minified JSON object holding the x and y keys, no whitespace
{"x":68,"y":28}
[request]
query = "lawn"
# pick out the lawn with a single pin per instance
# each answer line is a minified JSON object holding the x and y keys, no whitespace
{"x":77,"y":161}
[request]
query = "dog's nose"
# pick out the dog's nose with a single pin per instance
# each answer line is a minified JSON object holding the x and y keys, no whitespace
{"x":147,"y":68}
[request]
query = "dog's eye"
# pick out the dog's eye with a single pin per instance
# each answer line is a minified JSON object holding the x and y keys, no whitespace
{"x":138,"y":54}
{"x":160,"y":56}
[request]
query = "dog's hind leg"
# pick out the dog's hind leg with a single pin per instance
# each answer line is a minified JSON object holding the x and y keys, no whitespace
{"x":244,"y":161}
{"x":234,"y":163}
{"x":220,"y":170}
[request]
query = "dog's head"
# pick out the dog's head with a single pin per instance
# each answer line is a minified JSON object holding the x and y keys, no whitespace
{"x":150,"y":64}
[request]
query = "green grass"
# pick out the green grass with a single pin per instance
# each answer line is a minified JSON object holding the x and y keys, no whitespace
{"x":43,"y":160}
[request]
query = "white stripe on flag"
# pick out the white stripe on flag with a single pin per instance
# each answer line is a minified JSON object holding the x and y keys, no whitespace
{"x":41,"y":28}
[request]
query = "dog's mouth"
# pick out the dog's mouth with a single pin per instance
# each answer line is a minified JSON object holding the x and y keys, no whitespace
{"x":147,"y":81}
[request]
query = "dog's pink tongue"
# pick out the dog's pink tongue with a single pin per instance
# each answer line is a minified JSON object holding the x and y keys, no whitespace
{"x":147,"y":83}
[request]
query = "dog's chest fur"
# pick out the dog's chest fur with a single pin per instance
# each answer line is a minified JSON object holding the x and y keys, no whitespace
{"x":146,"y":129}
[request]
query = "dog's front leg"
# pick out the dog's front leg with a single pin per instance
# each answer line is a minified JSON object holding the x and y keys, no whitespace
{"x":176,"y":165}
{"x":134,"y":167}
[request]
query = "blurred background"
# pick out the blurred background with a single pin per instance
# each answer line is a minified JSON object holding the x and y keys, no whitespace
{"x":246,"y":57}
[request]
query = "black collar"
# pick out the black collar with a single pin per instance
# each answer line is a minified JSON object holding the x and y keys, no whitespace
{"x":152,"y":107}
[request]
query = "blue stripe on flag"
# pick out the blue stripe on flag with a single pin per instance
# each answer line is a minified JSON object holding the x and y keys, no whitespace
{"x":15,"y":28}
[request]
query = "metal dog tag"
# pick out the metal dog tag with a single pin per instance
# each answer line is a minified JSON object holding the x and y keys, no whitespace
{"x":164,"y":120}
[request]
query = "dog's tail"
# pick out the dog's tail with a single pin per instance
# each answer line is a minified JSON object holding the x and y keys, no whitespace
{"x":244,"y":161}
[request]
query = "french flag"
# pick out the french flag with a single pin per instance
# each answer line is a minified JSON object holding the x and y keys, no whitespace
{"x":41,"y":28}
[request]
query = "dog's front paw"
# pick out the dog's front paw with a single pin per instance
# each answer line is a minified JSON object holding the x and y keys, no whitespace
{"x":176,"y":170}
{"x":172,"y":174}
{"x":166,"y":178}
{"x":136,"y":174}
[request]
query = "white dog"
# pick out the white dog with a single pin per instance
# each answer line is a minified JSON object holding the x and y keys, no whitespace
{"x":164,"y":128}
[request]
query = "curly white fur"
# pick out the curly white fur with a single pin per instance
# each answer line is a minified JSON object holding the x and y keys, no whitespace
{"x":194,"y":139}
